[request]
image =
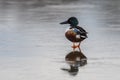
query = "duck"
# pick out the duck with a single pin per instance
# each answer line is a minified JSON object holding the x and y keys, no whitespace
{"x":75,"y":33}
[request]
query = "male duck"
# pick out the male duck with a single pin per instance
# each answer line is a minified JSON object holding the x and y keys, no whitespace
{"x":75,"y":33}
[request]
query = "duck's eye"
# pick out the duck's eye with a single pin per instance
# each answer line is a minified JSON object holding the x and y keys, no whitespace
{"x":71,"y":21}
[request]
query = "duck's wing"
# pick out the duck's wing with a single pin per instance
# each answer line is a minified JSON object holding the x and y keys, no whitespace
{"x":82,"y":31}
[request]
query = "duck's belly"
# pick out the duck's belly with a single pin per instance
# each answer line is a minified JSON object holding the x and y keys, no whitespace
{"x":72,"y":35}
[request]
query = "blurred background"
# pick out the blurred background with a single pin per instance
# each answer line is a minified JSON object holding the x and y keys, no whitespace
{"x":33,"y":45}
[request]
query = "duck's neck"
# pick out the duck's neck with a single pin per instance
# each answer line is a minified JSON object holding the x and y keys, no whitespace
{"x":72,"y":26}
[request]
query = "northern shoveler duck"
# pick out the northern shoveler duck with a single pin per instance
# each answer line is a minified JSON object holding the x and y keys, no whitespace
{"x":75,"y":33}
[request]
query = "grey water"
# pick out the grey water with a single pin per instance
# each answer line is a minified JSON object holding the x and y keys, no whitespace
{"x":33,"y":45}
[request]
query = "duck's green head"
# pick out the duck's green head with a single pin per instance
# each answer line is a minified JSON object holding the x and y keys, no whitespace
{"x":72,"y":21}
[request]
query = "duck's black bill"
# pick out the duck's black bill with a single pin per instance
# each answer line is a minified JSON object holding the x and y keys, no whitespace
{"x":65,"y":22}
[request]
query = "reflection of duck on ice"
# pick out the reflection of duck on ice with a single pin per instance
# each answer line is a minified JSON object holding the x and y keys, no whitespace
{"x":75,"y":59}
{"x":75,"y":33}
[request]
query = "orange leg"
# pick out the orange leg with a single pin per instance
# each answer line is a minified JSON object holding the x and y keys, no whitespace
{"x":74,"y":46}
{"x":79,"y":46}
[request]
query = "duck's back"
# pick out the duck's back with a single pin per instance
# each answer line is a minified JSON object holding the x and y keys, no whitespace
{"x":82,"y":32}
